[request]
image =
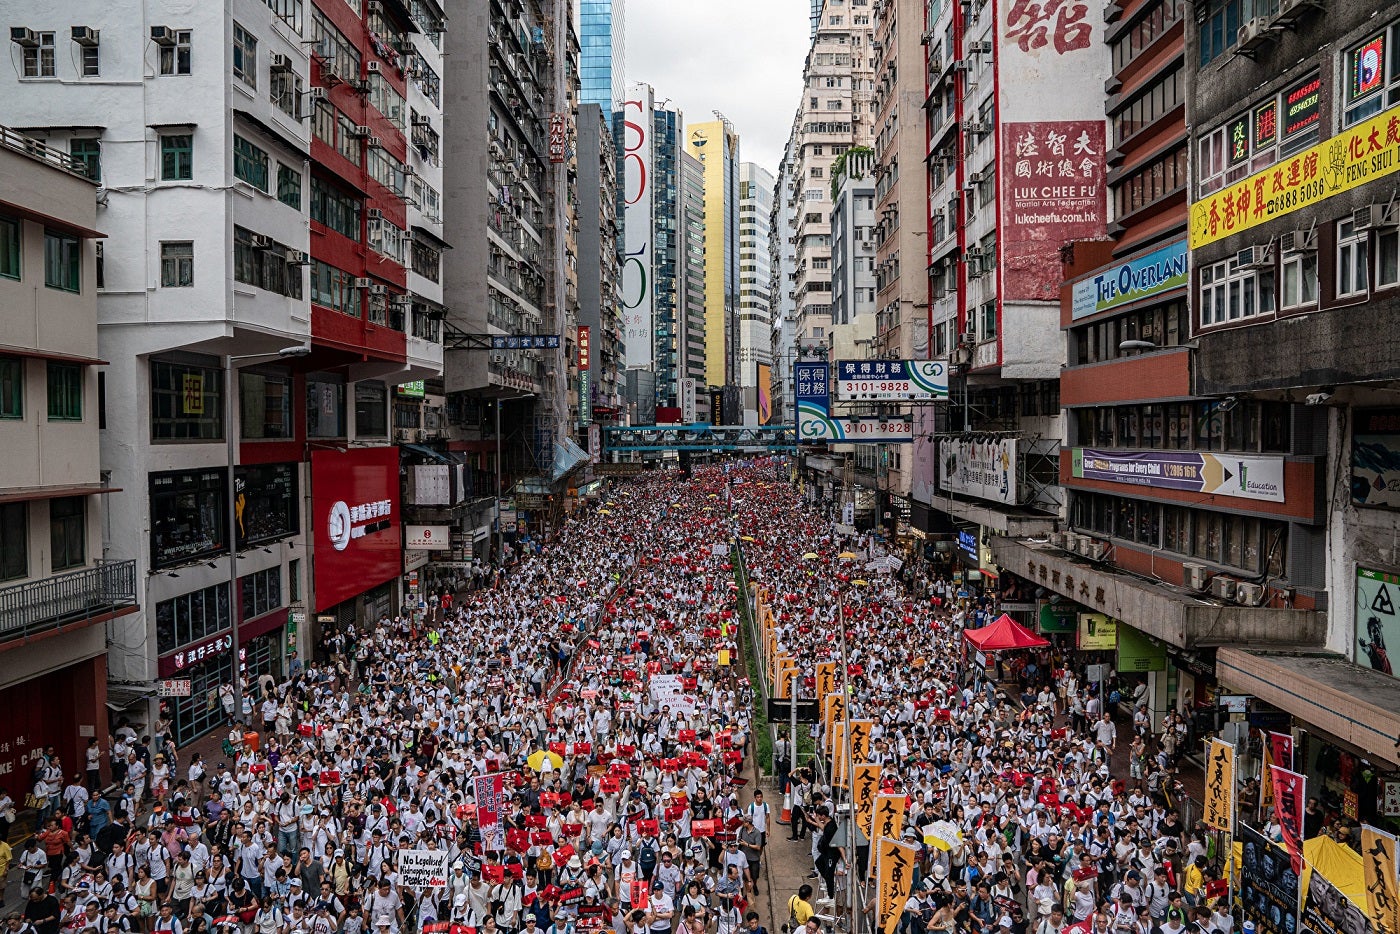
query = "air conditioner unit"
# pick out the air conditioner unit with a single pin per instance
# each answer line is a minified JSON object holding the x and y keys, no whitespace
{"x":374,"y":7}
{"x":1253,"y":34}
{"x":1072,"y":542}
{"x":977,"y":178}
{"x":85,"y":35}
{"x":1289,"y":8}
{"x":404,"y":434}
{"x":962,"y":64}
{"x":421,"y":120}
{"x":968,"y":338}
{"x":1196,"y":575}
{"x":260,"y":242}
{"x":298,"y":258}
{"x":1222,"y":587}
{"x":1253,"y":257}
{"x":375,"y":214}
{"x":980,"y":48}
{"x":379,"y":289}
{"x":1372,"y":216}
{"x":361,"y":130}
{"x":316,"y":94}
{"x":1247,"y":594}
{"x":373,"y":68}
{"x":982,"y":129}
{"x":360,"y":85}
{"x":498,"y":358}
{"x":1057,"y":539}
{"x":1298,"y":241}
{"x":329,"y":72}
{"x":362,"y":283}
{"x":28,"y":38}
{"x":1095,"y":550}
{"x":374,"y":142}
{"x":280,"y":62}
{"x":160,"y":35}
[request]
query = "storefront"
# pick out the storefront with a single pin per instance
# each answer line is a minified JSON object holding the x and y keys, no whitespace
{"x":206,"y":665}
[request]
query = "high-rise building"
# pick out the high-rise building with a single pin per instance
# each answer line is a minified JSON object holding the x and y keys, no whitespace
{"x":691,"y":290}
{"x":853,"y":230}
{"x":602,"y":32}
{"x":755,"y":322}
{"x":716,"y":144}
{"x":599,"y":299}
{"x":782,"y":263}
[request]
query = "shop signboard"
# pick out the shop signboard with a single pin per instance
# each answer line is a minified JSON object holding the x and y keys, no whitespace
{"x":891,"y":380}
{"x":1377,"y":618}
{"x":816,"y":422}
{"x":173,"y":687}
{"x":357,"y":538}
{"x":1390,"y":797}
{"x":1268,"y":884}
{"x":1375,"y":458}
{"x":1236,"y":475}
{"x":195,"y":654}
{"x":1139,"y":652}
{"x":1132,"y":281}
{"x":985,"y":469}
{"x":427,"y":537}
{"x":1097,"y":632}
{"x":1058,"y":617}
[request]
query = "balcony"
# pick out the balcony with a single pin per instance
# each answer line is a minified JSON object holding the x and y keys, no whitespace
{"x":76,"y":597}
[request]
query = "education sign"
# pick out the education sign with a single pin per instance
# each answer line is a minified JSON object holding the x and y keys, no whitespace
{"x":1236,"y":475}
{"x":1132,"y":281}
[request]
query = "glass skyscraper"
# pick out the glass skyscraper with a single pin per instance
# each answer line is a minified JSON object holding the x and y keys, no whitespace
{"x":602,"y":53}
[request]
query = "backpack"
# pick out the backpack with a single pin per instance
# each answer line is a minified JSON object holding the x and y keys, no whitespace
{"x":646,"y":858}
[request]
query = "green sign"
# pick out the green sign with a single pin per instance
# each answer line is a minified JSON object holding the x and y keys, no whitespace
{"x":414,"y":388}
{"x":1139,"y":652}
{"x":1058,"y":617}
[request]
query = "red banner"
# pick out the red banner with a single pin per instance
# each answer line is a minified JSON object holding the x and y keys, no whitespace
{"x":355,"y":526}
{"x":1281,"y":746}
{"x":490,"y":793}
{"x":1290,"y":797}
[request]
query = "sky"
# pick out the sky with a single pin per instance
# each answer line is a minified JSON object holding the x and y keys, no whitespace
{"x":740,"y":57}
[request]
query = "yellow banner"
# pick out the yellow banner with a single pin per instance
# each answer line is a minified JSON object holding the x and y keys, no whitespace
{"x":864,"y":790}
{"x":1266,"y":785}
{"x":894,"y":864}
{"x":833,"y":709}
{"x":826,"y":678}
{"x":1353,"y":157}
{"x":860,"y":739}
{"x":787,"y":666}
{"x":1220,"y":786}
{"x":837,"y":744}
{"x":887,"y":820}
{"x":1378,"y":862}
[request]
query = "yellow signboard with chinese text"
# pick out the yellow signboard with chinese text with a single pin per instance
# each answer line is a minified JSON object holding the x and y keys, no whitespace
{"x":1220,"y":786}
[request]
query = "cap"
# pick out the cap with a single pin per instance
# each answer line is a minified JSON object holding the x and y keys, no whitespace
{"x":626,"y":854}
{"x":339,"y":852}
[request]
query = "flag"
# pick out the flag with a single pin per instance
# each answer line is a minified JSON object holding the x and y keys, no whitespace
{"x":1220,"y":786}
{"x":886,"y":822}
{"x":1378,"y":862}
{"x":894,"y":862}
{"x":490,"y":792}
{"x":1289,"y":800}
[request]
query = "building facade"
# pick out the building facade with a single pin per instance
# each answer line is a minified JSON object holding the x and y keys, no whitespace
{"x":754,"y":320}
{"x":602,"y":33}
{"x":691,"y":290}
{"x":716,"y":144}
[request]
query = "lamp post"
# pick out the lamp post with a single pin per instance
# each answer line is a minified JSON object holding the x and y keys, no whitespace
{"x":230,"y":395}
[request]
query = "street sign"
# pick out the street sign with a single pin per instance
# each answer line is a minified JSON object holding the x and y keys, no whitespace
{"x":1096,"y":672}
{"x":525,"y":342}
{"x":174,"y":688}
{"x":780,"y":710}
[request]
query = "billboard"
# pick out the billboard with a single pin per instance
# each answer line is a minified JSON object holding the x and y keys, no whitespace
{"x":985,"y":469}
{"x":1268,"y":885}
{"x":1375,"y":458}
{"x":816,"y":423}
{"x":765,"y":393}
{"x":687,"y":400}
{"x":1377,"y":622}
{"x":1237,"y":475}
{"x":355,"y":521}
{"x":891,"y":380}
{"x":426,"y":537}
{"x":1132,"y":281}
{"x":638,"y":308}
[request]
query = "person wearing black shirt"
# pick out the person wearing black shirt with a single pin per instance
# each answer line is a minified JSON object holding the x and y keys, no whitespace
{"x":42,"y":910}
{"x":827,"y":851}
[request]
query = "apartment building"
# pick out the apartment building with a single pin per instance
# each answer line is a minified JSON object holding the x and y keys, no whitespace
{"x":599,"y":337}
{"x":754,"y":319}
{"x":782,"y":269}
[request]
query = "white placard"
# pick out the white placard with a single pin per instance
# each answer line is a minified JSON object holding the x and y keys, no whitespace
{"x":422,"y":869}
{"x":174,"y":688}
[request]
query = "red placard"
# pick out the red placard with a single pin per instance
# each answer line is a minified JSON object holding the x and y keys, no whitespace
{"x":356,"y":525}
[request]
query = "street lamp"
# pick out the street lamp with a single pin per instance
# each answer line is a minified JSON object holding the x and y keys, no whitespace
{"x":230,"y":394}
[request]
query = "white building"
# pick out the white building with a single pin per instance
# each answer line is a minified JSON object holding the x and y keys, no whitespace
{"x":755,"y":295}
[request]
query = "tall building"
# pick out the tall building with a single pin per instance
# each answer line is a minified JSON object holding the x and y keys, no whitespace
{"x":602,"y":32}
{"x":782,"y":263}
{"x":716,"y":144}
{"x":853,"y":231}
{"x":691,"y":290}
{"x":599,"y":300}
{"x":755,"y":322}
{"x":60,"y":588}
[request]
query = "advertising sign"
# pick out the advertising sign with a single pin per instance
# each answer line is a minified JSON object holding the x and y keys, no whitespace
{"x":427,"y":537}
{"x":1132,"y":281}
{"x":416,"y":389}
{"x":595,"y":443}
{"x":1058,"y":617}
{"x":584,"y":343}
{"x":891,"y":380}
{"x":1327,"y":911}
{"x":1240,"y":476}
{"x":1375,"y":457}
{"x":423,"y":869}
{"x":816,"y":423}
{"x":196,"y":654}
{"x":1139,"y":652}
{"x":765,"y":394}
{"x":638,"y":310}
{"x":558,"y":137}
{"x":1268,"y":884}
{"x":1220,"y":786}
{"x":356,"y":534}
{"x":985,"y":469}
{"x":1055,"y":173}
{"x":1366,"y":152}
{"x":173,"y":688}
{"x":1097,"y":632}
{"x":1377,"y":621}
{"x":688,"y":400}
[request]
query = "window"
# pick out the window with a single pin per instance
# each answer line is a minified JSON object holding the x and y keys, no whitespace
{"x":289,"y":186}
{"x":249,"y":163}
{"x":39,"y":58}
{"x":11,"y":387}
{"x":987,"y":326}
{"x":65,"y":386}
{"x":323,"y":123}
{"x":1151,"y":104}
{"x":386,"y":239}
{"x":245,"y":56}
{"x":332,"y":48}
{"x":387,"y":171}
{"x":175,"y":57}
{"x":325,"y":406}
{"x":265,"y":503}
{"x":176,"y":264}
{"x":9,"y":247}
{"x":91,"y":61}
{"x":1387,"y":258}
{"x":334,"y":208}
{"x":1372,"y":76}
{"x":89,"y":153}
{"x":427,"y":261}
{"x":189,"y":510}
{"x":262,"y":262}
{"x":1155,"y":180}
{"x":14,"y":541}
{"x":426,"y":80}
{"x":265,"y":405}
{"x":334,"y":288}
{"x":192,"y":617}
{"x":62,"y":261}
{"x":187,"y":401}
{"x":261,"y":593}
{"x":177,"y":157}
{"x":1147,"y":30}
{"x":1230,"y":292}
{"x":386,"y":100}
{"x":371,"y":409}
{"x":1257,"y":137}
{"x":67,"y":532}
{"x":1299,"y":279}
{"x":1219,"y":28}
{"x":284,"y":90}
{"x":347,"y":140}
{"x":289,"y":11}
{"x":1352,"y":259}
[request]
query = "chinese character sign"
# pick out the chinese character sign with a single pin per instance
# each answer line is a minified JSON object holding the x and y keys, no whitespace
{"x":888,"y":817}
{"x":489,"y":799}
{"x":864,"y":789}
{"x":1054,"y":174}
{"x":1054,"y":26}
{"x":826,"y":678}
{"x":1378,"y":865}
{"x":1289,"y":799}
{"x":894,"y":871}
{"x":1220,"y":786}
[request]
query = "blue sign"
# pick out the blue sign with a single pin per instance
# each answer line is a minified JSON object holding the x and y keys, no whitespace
{"x":525,"y":342}
{"x":1137,"y":279}
{"x":967,"y":542}
{"x":816,"y":423}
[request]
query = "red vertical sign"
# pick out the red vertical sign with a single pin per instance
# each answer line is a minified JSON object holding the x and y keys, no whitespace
{"x":1289,"y":800}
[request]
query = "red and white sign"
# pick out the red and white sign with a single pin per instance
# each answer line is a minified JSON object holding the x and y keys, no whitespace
{"x":1053,"y":180}
{"x":356,"y":532}
{"x":490,"y":798}
{"x":193,"y":655}
{"x":174,"y":688}
{"x":558,"y":137}
{"x":583,"y":345}
{"x":426,"y":537}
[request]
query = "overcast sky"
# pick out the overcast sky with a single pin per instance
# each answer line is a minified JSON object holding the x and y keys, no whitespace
{"x":740,"y":57}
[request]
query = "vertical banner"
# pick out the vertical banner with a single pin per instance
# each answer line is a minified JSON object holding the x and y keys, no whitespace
{"x":861,"y":731}
{"x":490,"y":794}
{"x":638,"y":308}
{"x":1378,"y":863}
{"x":887,"y":820}
{"x":1281,"y":745}
{"x":1289,"y":801}
{"x":833,"y":711}
{"x":765,"y":393}
{"x":826,"y":678}
{"x":837,"y":749}
{"x":863,"y":791}
{"x":1220,"y":786}
{"x":894,"y":870}
{"x":1268,"y":891}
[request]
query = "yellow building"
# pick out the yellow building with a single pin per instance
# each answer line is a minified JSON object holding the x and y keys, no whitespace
{"x":716,"y":145}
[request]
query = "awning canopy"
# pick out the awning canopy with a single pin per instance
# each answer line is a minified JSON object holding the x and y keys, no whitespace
{"x":1005,"y":634}
{"x":429,"y":453}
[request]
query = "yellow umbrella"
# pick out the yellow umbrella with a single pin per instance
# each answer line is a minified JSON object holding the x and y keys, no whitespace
{"x":540,"y":756}
{"x":847,"y":556}
{"x":860,"y":582}
{"x":714,"y":496}
{"x":605,"y":512}
{"x":676,"y":505}
{"x":810,"y":556}
{"x":745,"y":538}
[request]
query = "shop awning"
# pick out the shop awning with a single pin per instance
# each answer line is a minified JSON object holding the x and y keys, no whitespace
{"x":1003,"y":635}
{"x":122,"y":696}
{"x":1358,"y":705}
{"x":435,"y":456}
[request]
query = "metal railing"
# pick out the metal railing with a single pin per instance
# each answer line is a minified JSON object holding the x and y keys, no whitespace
{"x":57,"y":158}
{"x":49,"y":603}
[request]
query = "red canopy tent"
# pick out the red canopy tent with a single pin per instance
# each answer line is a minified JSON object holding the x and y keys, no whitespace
{"x":1003,"y":635}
